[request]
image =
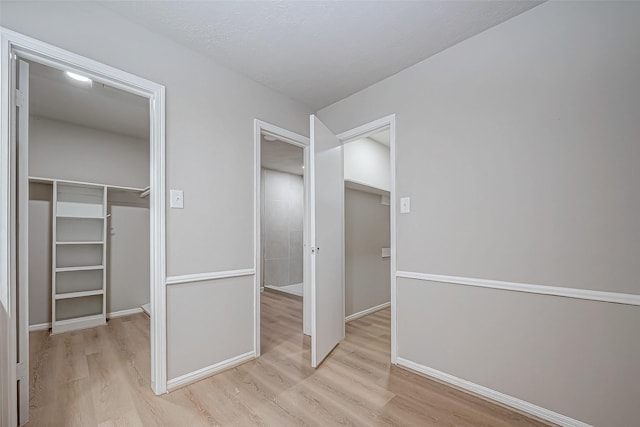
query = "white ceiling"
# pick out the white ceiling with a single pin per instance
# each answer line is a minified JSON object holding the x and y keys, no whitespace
{"x":54,"y":95}
{"x":319,"y":52}
{"x":282,"y":156}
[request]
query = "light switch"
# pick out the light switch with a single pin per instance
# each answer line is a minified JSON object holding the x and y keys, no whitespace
{"x":405,"y":204}
{"x":177,"y":199}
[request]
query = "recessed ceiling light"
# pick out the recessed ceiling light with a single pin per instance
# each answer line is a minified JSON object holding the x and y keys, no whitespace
{"x":78,"y":77}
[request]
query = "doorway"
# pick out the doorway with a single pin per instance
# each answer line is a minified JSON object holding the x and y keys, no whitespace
{"x":369,"y":178}
{"x":98,"y":144}
{"x":17,"y":50}
{"x":281,"y":224}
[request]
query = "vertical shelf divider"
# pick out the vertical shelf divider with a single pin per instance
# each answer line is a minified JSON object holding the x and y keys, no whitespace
{"x":80,"y":206}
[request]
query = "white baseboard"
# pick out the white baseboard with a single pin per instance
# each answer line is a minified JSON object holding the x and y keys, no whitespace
{"x":283,"y":289}
{"x":368,"y":311}
{"x":200,"y":374}
{"x":112,"y":315}
{"x":496,"y":396}
{"x":122,"y":313}
{"x":40,"y":327}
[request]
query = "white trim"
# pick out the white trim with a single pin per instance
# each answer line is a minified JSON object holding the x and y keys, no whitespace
{"x":281,"y":133}
{"x":496,"y":396}
{"x":40,"y":327}
{"x":293,"y":138}
{"x":79,"y":323}
{"x":201,"y":277}
{"x":112,"y":315}
{"x":158,"y":248}
{"x":366,"y":312}
{"x":585,"y":294}
{"x":22,"y":235}
{"x":122,"y":313}
{"x":360,"y":132}
{"x":366,"y":129}
{"x":194,"y":376}
{"x":284,"y":289}
{"x":26,"y":47}
{"x":7,"y":270}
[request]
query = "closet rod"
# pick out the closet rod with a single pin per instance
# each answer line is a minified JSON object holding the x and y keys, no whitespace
{"x":41,"y":180}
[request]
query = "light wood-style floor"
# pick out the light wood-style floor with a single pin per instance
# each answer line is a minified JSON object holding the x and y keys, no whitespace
{"x":100,"y":377}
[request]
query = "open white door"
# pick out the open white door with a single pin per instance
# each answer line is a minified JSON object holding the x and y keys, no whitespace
{"x":22,"y":220}
{"x":326,"y":195}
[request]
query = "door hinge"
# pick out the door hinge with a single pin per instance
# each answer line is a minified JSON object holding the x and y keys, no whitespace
{"x":315,"y":250}
{"x":21,"y":100}
{"x":21,"y":372}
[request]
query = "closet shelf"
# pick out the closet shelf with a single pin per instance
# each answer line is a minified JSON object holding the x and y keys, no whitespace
{"x":80,"y":268}
{"x":96,"y":242}
{"x":80,"y":216}
{"x":367,"y":188}
{"x":79,"y":294}
{"x":43,"y":180}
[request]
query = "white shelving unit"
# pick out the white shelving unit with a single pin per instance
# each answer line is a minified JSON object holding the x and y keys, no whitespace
{"x":79,"y":256}
{"x":79,"y":251}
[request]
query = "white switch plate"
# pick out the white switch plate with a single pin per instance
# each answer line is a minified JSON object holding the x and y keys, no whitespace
{"x":177,"y":199}
{"x":405,"y":204}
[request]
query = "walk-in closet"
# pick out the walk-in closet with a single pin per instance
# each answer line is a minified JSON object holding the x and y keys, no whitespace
{"x":367,"y":176}
{"x":88,"y":166}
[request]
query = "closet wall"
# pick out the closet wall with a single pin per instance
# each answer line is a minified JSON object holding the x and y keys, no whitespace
{"x":368,"y":162}
{"x":367,"y":174}
{"x":282,"y":228}
{"x":367,"y":231}
{"x":66,"y":151}
{"x":77,"y":153}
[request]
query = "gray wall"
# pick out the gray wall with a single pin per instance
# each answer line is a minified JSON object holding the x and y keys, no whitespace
{"x":66,"y":151}
{"x":519,"y":150}
{"x":209,"y":137}
{"x":282,"y":220}
{"x":40,"y":199}
{"x":367,"y":275}
{"x":128,"y":258}
{"x":368,"y":162}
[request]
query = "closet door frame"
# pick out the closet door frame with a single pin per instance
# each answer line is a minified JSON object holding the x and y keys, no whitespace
{"x":260,"y":127}
{"x":12,"y":45}
{"x":362,"y":132}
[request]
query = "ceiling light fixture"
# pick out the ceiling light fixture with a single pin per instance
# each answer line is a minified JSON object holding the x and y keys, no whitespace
{"x":78,"y":77}
{"x":270,"y":138}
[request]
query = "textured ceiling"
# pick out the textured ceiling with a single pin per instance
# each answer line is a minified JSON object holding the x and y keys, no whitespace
{"x":55,"y":96}
{"x":318,"y":52}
